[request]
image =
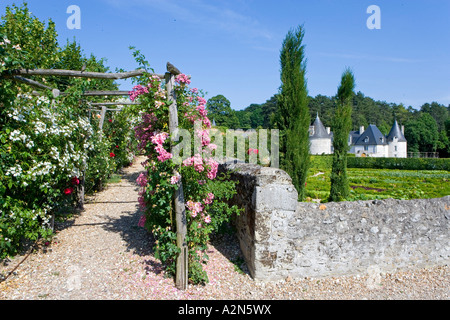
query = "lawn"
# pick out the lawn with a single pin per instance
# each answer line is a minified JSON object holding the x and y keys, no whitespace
{"x":370,"y":184}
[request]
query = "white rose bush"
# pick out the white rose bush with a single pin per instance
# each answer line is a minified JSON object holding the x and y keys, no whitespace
{"x":48,"y":148}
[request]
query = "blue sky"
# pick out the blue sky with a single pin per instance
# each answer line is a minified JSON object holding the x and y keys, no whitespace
{"x":232,"y":47}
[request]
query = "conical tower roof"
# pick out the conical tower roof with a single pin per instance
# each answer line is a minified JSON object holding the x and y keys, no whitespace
{"x":396,"y":132}
{"x":320,"y":132}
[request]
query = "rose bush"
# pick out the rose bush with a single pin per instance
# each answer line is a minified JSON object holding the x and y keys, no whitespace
{"x":44,"y":152}
{"x":205,"y":192}
{"x":47,"y":143}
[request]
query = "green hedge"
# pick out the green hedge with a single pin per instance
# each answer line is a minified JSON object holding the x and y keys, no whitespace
{"x":400,"y":163}
{"x":385,"y":163}
{"x":321,"y":162}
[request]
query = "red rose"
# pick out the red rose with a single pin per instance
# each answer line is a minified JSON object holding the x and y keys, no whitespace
{"x":75,"y":181}
{"x":110,"y":120}
{"x":117,"y":147}
{"x":112,"y":155}
{"x":68,"y":191}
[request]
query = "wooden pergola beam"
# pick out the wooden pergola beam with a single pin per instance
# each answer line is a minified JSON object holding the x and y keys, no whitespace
{"x":79,"y":74}
{"x":17,"y":75}
{"x":32,"y":83}
{"x":107,"y":109}
{"x":104,"y":93}
{"x":114,"y":103}
{"x":91,"y":93}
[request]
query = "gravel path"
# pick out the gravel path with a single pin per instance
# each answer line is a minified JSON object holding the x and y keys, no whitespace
{"x":101,"y":254}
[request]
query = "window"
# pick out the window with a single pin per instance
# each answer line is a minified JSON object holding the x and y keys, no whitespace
{"x":395,"y":148}
{"x":366,"y":148}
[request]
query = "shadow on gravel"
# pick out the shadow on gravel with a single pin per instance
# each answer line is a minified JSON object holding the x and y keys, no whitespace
{"x":228,"y":245}
{"x":138,"y":240}
{"x":141,"y":242}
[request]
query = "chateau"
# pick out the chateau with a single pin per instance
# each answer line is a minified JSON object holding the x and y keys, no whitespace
{"x":368,"y":142}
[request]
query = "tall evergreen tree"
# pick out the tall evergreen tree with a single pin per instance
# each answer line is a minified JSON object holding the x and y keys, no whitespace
{"x":293,"y":118}
{"x":342,"y":125}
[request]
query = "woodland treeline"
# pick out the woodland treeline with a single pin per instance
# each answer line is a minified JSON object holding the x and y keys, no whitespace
{"x":426,"y":129}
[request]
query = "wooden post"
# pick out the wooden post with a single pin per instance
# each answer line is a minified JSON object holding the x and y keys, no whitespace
{"x":181,"y":278}
{"x":81,"y":187}
{"x":80,"y":204}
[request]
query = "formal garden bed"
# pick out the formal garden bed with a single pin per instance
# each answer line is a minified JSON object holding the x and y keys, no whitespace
{"x":371,"y":183}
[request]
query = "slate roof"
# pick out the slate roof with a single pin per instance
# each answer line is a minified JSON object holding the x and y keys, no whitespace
{"x":396,"y":132}
{"x":371,"y":136}
{"x":320,"y":132}
{"x":354,"y":136}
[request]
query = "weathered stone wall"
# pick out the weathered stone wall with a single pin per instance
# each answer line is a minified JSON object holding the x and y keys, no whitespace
{"x":281,"y":237}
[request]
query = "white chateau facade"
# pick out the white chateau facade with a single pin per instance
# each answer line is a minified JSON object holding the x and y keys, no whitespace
{"x":368,"y":142}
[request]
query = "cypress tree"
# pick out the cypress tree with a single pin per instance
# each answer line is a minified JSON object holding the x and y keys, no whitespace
{"x":293,"y":118}
{"x":342,"y":124}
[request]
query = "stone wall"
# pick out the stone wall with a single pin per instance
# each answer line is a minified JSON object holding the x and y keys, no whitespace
{"x":281,"y":237}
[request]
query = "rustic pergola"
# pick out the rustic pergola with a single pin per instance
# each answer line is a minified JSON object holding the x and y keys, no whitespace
{"x":19,"y":75}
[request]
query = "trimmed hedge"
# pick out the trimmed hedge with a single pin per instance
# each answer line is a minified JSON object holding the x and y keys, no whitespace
{"x":400,"y":163}
{"x":321,"y":162}
{"x":385,"y":163}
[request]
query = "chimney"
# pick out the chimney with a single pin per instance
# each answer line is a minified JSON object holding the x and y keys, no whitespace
{"x":328,"y":130}
{"x":361,"y":129}
{"x":403,"y":130}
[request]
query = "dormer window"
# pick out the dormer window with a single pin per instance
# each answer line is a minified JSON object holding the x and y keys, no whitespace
{"x":366,"y":139}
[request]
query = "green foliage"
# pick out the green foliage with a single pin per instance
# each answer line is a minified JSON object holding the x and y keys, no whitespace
{"x":47,"y":143}
{"x":400,"y":163}
{"x":258,"y":115}
{"x":438,"y":112}
{"x":371,"y":184}
{"x":37,"y":42}
{"x":341,"y":125}
{"x":321,"y":161}
{"x":422,"y":134}
{"x":219,"y":110}
{"x":380,"y":178}
{"x":324,"y":162}
{"x":292,"y":117}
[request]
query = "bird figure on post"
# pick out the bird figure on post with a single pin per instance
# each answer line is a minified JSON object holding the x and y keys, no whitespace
{"x":83,"y":67}
{"x":172,"y":69}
